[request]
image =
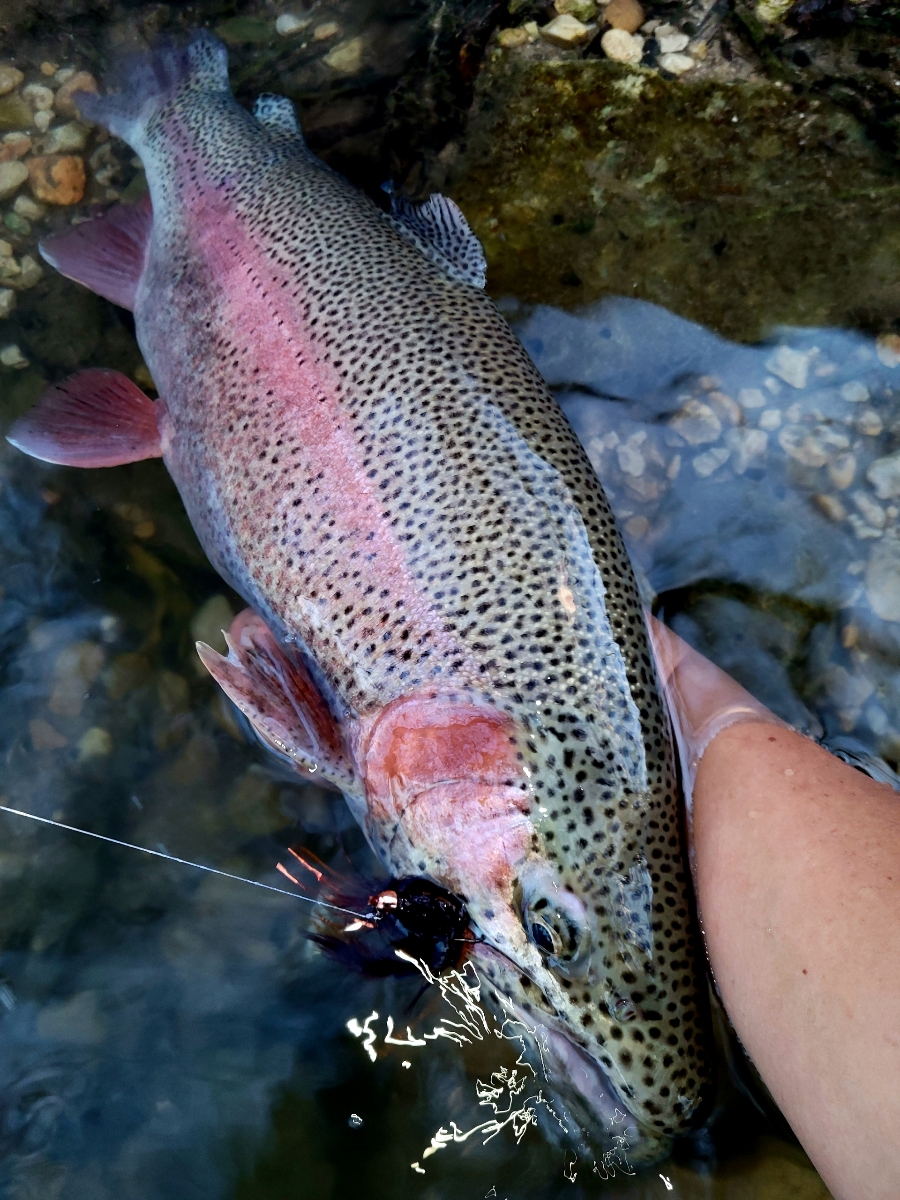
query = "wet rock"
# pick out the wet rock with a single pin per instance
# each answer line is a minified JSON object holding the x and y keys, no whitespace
{"x":511,"y":39}
{"x":728,"y":410}
{"x":28,"y":208}
{"x":847,"y":692}
{"x":209,"y":622}
{"x":12,"y":176}
{"x":855,"y":392}
{"x":842,"y":471}
{"x":676,"y":64}
{"x":39,"y":96}
{"x":582,"y":10}
{"x":70,"y":138}
{"x":770,"y":419}
{"x":17,"y":225}
{"x":631,"y":460}
{"x":44,"y":736}
{"x":622,"y":47}
{"x":42,"y":120}
{"x":704,"y":464}
{"x":78,"y":1020}
{"x":346,"y":58}
{"x":830,"y":506}
{"x":670,"y":40}
{"x":812,"y":449}
{"x":751,"y":398}
{"x":77,"y":666}
{"x":566,"y":31}
{"x":15,"y":113}
{"x":12,"y":357}
{"x":790,"y":365}
{"x":637,"y":527}
{"x":325,"y":31}
{"x":745,"y":445}
{"x":288,"y":25}
{"x":95,"y":743}
{"x":81,"y":81}
{"x":884,"y":476}
{"x":888,"y":349}
{"x":871,"y":512}
{"x":7,"y":302}
{"x":624,"y":14}
{"x":30,"y":273}
{"x":696,"y":423}
{"x":10,"y":78}
{"x":57,"y":179}
{"x":883,"y":579}
{"x":868,"y":423}
{"x":14,"y":145}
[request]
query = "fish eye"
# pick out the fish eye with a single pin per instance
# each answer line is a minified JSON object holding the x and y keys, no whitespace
{"x":545,"y":938}
{"x":557,"y":925}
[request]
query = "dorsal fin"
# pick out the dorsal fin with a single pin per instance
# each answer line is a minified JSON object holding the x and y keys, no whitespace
{"x":438,"y":230}
{"x":277,"y":114}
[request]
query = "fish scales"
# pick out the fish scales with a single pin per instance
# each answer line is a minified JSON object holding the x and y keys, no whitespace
{"x":370,"y":457}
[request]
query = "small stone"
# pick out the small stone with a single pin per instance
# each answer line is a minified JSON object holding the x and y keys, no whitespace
{"x":700,"y":50}
{"x":710,"y":383}
{"x":842,"y":471}
{"x":884,"y":476}
{"x":790,"y":365}
{"x":697,"y":423}
{"x":675,"y":64}
{"x":77,"y":667}
{"x":328,"y":29}
{"x":14,"y":145}
{"x":12,"y":176}
{"x":27,"y":208}
{"x":770,"y":418}
{"x":793,"y":413}
{"x":42,"y":121}
{"x":849,"y":636}
{"x":637,"y":527}
{"x":622,"y":47}
{"x":65,"y":139}
{"x":210,"y":622}
{"x":883,"y":579}
{"x":288,"y":24}
{"x":7,"y":302}
{"x":346,"y":57}
{"x":855,"y":392}
{"x":39,"y":96}
{"x":511,"y":39}
{"x":566,"y":31}
{"x":95,"y":743}
{"x":10,"y":78}
{"x":9,"y":268}
{"x":887,"y":347}
{"x":6,"y":250}
{"x":582,"y":10}
{"x":674,"y":467}
{"x":772,"y":11}
{"x":830,"y":506}
{"x":44,"y":736}
{"x":671,"y":43}
{"x":871,"y":512}
{"x":728,"y":410}
{"x":30,"y":273}
{"x":631,"y":460}
{"x":57,"y":179}
{"x":812,"y":449}
{"x":15,"y":113}
{"x":64,"y":74}
{"x":624,"y":14}
{"x":868,"y":423}
{"x":12,"y":356}
{"x":772,"y":385}
{"x":49,"y":68}
{"x":16,"y":224}
{"x":745,"y":445}
{"x":81,"y":81}
{"x":704,"y":464}
{"x":862,"y":529}
{"x":751,"y":398}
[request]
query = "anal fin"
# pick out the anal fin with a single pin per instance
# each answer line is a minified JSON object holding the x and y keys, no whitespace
{"x":274,"y":690}
{"x":107,"y":253}
{"x":94,"y":418}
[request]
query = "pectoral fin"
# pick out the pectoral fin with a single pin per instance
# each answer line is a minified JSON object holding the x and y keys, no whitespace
{"x":92,"y":419}
{"x":274,"y":690}
{"x":106,"y":254}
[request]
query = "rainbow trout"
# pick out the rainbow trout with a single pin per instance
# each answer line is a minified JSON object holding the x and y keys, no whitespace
{"x":444,"y":620}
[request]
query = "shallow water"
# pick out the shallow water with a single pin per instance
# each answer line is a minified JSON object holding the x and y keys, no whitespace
{"x":169,"y":1033}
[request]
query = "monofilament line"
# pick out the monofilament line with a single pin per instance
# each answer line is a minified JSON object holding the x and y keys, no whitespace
{"x":185,"y":862}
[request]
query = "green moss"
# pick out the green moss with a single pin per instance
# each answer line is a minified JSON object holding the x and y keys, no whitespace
{"x":740,"y":206}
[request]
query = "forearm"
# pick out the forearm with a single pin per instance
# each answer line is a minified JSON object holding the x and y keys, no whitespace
{"x":798,"y":880}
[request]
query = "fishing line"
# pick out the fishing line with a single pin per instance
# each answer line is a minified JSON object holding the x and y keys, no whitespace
{"x":184,"y":861}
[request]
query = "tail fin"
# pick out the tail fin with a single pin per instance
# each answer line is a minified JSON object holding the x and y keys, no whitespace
{"x":146,"y":81}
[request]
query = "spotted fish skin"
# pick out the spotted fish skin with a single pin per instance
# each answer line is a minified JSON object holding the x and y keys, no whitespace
{"x":369,"y":456}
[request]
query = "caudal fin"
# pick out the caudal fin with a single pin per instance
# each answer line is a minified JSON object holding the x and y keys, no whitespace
{"x":142,"y":83}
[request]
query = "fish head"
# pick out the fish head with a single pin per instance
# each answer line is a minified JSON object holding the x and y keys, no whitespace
{"x":586,"y":945}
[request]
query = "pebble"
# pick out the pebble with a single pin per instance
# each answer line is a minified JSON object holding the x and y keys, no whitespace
{"x":65,"y":139}
{"x":16,"y":224}
{"x":637,"y":527}
{"x":582,"y":10}
{"x":772,"y":385}
{"x":64,"y":74}
{"x":7,"y":302}
{"x":10,"y":78}
{"x":510,"y":39}
{"x":887,"y":347}
{"x":95,"y":743}
{"x":842,"y":471}
{"x":855,"y":392}
{"x":12,"y":176}
{"x":49,"y":68}
{"x":288,"y":24}
{"x":696,"y":423}
{"x":44,"y":736}
{"x":883,"y":579}
{"x":624,"y":14}
{"x":884,"y":476}
{"x":566,"y":30}
{"x":671,"y":43}
{"x":772,"y":11}
{"x":328,"y":29}
{"x":623,"y":47}
{"x":862,"y":529}
{"x":15,"y":114}
{"x":77,"y":667}
{"x":57,"y":179}
{"x":868,"y":423}
{"x":30,"y":273}
{"x":726,"y":409}
{"x":751,"y":398}
{"x":804,"y":448}
{"x":790,"y":365}
{"x":346,"y":57}
{"x":28,"y":208}
{"x":675,"y":64}
{"x":830,"y":506}
{"x":14,"y":145}
{"x":770,"y":418}
{"x":81,"y":81}
{"x":12,"y":356}
{"x":631,"y":460}
{"x":745,"y":445}
{"x":869,"y":510}
{"x":39,"y":96}
{"x":42,"y":121}
{"x":704,"y":464}
{"x":210,"y":621}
